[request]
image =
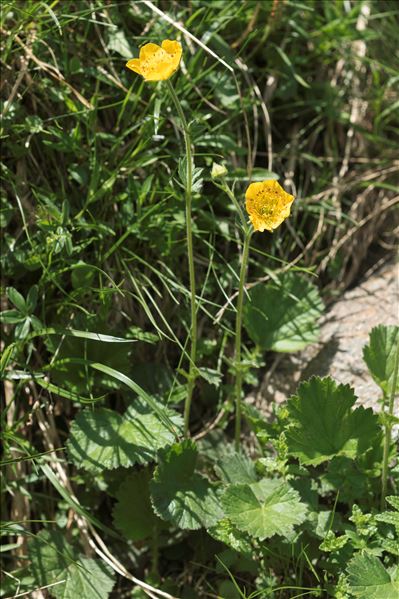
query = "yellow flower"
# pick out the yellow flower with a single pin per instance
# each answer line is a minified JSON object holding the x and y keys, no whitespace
{"x":157,"y":63}
{"x":267,"y":204}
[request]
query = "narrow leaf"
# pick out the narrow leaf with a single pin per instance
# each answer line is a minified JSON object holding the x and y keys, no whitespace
{"x":17,"y":299}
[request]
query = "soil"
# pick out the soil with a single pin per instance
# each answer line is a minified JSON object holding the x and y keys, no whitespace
{"x":343,"y":333}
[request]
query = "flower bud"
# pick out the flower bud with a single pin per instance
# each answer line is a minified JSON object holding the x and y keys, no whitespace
{"x":218,"y":170}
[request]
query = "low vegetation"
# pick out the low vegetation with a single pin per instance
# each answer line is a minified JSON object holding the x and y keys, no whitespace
{"x":141,"y":304}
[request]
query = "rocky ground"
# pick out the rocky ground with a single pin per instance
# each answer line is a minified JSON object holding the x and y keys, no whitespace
{"x":344,"y":332}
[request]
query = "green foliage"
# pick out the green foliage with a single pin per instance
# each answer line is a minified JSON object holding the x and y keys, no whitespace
{"x":23,"y":314}
{"x":283,"y":314}
{"x":96,"y":302}
{"x":368,"y":579}
{"x":391,"y":517}
{"x":133,"y":513}
{"x":381,"y":357}
{"x":181,"y":495}
{"x":55,"y":562}
{"x":323,"y":425}
{"x":226,"y":532}
{"x":264,"y":509}
{"x":236,"y":468}
{"x":332,"y":543}
{"x":390,"y":541}
{"x":102,"y":438}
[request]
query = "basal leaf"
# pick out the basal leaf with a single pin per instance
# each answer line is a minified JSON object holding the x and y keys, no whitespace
{"x":133,"y":512}
{"x":54,"y":560}
{"x":324,"y":425}
{"x":264,"y":509}
{"x":368,"y":579}
{"x":236,"y":468}
{"x":105,"y":439}
{"x":381,"y":355}
{"x":179,"y":494}
{"x":225,"y":532}
{"x":283,"y":316}
{"x":354,"y":478}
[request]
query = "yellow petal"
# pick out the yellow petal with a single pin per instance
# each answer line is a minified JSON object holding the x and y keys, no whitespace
{"x":267,"y":204}
{"x":253,"y":190}
{"x":134,"y":65}
{"x":171,"y":46}
{"x":159,"y":71}
{"x":257,"y":223}
{"x":174,"y":51}
{"x":149,"y":51}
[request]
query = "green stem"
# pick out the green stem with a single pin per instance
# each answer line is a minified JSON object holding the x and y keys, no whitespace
{"x":237,"y":352}
{"x":388,"y":431}
{"x":193,"y":332}
{"x":223,"y":185}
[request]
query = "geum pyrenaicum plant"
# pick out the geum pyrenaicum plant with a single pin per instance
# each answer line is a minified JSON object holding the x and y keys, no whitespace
{"x":159,"y":63}
{"x":298,"y":516}
{"x":268,"y":205}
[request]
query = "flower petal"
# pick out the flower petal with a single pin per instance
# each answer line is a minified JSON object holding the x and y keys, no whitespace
{"x":253,"y":190}
{"x":160,"y":72}
{"x":174,"y":50}
{"x":149,"y":51}
{"x":134,"y":65}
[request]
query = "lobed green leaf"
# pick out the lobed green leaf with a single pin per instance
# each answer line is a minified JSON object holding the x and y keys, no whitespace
{"x":179,"y":494}
{"x":103,"y":439}
{"x":324,"y":426}
{"x":282,"y":316}
{"x":72,"y":575}
{"x":381,"y":356}
{"x":368,"y":579}
{"x":265,"y":508}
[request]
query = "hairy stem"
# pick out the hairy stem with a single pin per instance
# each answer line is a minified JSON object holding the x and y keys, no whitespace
{"x":190,"y":255}
{"x":388,"y":431}
{"x":223,"y":185}
{"x":237,"y":352}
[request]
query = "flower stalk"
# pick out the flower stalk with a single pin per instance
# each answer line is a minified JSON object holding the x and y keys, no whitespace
{"x":268,"y":205}
{"x":192,"y":374}
{"x":238,"y":330}
{"x":238,"y":368}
